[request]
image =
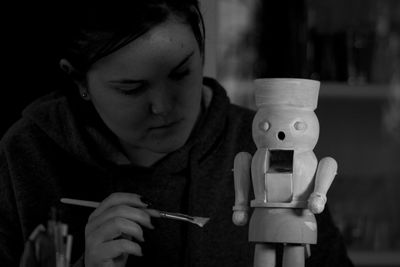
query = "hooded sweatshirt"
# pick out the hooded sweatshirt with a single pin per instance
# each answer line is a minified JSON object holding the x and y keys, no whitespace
{"x":60,"y":148}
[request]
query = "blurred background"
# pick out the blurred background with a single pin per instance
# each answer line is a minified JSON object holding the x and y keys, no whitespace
{"x":353,"y":48}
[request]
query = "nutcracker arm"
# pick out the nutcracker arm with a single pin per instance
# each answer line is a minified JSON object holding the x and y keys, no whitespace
{"x":326,"y":172}
{"x":242,"y":178}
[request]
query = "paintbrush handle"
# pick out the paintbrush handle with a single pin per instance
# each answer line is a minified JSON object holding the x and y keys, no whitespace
{"x":156,"y":213}
{"x":93,"y":204}
{"x":78,"y":202}
{"x":176,"y":216}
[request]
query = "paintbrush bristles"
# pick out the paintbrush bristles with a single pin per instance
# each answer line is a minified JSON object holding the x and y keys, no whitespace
{"x":201,"y":221}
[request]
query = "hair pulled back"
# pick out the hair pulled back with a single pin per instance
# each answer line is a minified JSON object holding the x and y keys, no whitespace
{"x":99,"y":30}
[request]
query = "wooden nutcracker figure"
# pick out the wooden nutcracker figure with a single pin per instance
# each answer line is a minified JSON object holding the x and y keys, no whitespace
{"x":289,"y":183}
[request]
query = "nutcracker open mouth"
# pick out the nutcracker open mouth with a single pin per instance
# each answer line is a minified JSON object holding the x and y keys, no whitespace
{"x":281,"y":160}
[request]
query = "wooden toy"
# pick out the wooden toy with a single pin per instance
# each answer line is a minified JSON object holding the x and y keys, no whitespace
{"x":289,"y":183}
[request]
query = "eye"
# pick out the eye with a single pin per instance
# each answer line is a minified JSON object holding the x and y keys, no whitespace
{"x":177,"y":76}
{"x":300,"y":125}
{"x":264,"y":126}
{"x":131,"y":90}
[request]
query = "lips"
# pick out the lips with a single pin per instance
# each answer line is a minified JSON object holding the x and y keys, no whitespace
{"x":166,"y":125}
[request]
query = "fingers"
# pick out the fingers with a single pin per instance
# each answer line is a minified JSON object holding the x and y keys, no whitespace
{"x":107,"y":252}
{"x":123,"y":211}
{"x":114,"y":228}
{"x":116,"y":199}
{"x":118,"y":247}
{"x":153,"y":212}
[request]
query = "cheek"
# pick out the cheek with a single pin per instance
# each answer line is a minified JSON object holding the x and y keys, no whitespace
{"x":190,"y":92}
{"x":121,"y":114}
{"x":307,"y":138}
{"x":129,"y":114}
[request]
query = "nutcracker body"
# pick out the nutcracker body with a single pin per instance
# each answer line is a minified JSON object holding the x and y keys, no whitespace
{"x":288,"y":181}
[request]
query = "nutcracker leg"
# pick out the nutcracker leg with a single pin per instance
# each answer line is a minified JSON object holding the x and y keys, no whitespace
{"x":264,"y":255}
{"x":293,"y":255}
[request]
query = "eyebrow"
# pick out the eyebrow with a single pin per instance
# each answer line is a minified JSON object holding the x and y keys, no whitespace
{"x":183,"y":61}
{"x":131,"y":81}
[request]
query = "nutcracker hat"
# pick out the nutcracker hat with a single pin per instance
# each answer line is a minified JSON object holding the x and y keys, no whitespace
{"x":299,"y":93}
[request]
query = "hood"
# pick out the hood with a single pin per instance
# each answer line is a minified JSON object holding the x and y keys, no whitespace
{"x":58,"y":117}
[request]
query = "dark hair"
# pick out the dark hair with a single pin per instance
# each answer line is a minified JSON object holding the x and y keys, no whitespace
{"x":102,"y":29}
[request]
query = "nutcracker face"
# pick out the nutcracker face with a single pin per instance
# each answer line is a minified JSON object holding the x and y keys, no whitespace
{"x":279,"y":127}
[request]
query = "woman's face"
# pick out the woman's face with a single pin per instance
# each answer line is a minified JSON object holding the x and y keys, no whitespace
{"x":149,"y":91}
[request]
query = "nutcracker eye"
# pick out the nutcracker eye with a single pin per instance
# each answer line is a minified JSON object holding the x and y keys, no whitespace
{"x":264,"y":126}
{"x":300,"y":125}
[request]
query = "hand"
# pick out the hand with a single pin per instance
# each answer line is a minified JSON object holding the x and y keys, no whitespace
{"x":316,"y":203}
{"x":114,"y":230}
{"x":240,"y":217}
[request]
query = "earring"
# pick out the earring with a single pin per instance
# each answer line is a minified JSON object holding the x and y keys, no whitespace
{"x":84,"y":94}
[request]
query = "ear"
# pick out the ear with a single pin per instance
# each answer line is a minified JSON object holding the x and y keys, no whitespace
{"x":67,"y":67}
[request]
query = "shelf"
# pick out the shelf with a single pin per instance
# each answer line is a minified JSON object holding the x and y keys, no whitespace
{"x":375,"y":258}
{"x":344,"y":90}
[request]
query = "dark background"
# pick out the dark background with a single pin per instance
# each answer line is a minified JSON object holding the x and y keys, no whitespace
{"x":31,"y":41}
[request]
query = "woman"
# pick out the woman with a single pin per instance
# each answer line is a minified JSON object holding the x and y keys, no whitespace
{"x":144,"y":128}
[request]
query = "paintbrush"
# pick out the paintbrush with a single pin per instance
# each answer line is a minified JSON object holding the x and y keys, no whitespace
{"x":199,"y":221}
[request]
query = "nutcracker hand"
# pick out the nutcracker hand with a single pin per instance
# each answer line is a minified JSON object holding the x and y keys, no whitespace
{"x":240,"y":217}
{"x":316,"y":203}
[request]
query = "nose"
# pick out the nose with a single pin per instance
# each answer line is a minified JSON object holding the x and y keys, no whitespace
{"x":281,"y":135}
{"x":161,"y":102}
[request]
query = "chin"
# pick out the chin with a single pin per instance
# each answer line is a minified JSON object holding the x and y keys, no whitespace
{"x":167,"y":145}
{"x":170,"y":141}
